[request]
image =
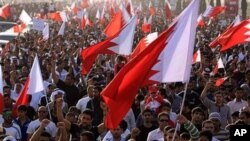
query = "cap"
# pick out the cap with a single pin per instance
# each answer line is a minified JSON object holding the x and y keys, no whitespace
{"x":214,"y":115}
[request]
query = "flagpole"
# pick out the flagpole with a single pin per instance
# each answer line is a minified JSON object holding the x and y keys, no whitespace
{"x":47,"y":105}
{"x":182,"y":105}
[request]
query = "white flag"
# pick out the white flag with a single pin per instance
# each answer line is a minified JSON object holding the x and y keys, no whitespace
{"x":175,"y":61}
{"x":61,"y":30}
{"x":46,"y":32}
{"x":36,"y":80}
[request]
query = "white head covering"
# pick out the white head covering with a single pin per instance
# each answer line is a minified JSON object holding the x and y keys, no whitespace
{"x":56,"y":91}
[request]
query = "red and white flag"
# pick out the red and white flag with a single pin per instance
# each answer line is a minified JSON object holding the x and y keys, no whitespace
{"x":74,"y":8}
{"x":146,"y":26}
{"x":220,"y":81}
{"x":159,"y":62}
{"x":144,"y":42}
{"x":151,"y":8}
{"x":120,"y":18}
{"x":130,"y":7}
{"x":168,"y":10}
{"x":233,"y":36}
{"x":84,"y":4}
{"x":87,"y":20}
{"x":5,"y":11}
{"x":218,"y":66}
{"x":196,"y":57}
{"x":25,"y":18}
{"x":121,"y":43}
{"x":33,"y":84}
{"x":212,"y":12}
{"x":200,"y":21}
{"x":1,"y":90}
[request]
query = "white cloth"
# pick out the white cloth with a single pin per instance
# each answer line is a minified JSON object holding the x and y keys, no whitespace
{"x":50,"y":128}
{"x":130,"y":119}
{"x":155,"y":135}
{"x":82,"y":103}
{"x":109,"y":137}
{"x":35,"y":100}
{"x":14,"y":131}
{"x":236,"y":106}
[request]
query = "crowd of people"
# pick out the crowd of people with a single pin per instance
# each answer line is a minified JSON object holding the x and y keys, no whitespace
{"x":71,"y":108}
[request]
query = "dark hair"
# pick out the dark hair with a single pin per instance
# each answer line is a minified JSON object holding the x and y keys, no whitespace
{"x":197,"y":110}
{"x":185,"y":135}
{"x":46,"y":134}
{"x":90,"y":136}
{"x":207,"y":134}
{"x":22,"y":108}
{"x":245,"y":113}
{"x":147,"y":111}
{"x":235,"y":114}
{"x":88,"y":112}
{"x":124,"y":125}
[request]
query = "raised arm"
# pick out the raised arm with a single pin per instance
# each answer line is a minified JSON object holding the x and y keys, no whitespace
{"x":53,"y":72}
{"x":37,"y":134}
{"x":59,"y":113}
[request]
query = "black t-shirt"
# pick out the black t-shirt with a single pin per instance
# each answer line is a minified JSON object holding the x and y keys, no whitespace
{"x":71,"y":93}
{"x":144,"y":132}
{"x":76,"y":130}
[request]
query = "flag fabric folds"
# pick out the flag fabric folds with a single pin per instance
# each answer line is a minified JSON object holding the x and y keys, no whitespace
{"x":141,"y":70}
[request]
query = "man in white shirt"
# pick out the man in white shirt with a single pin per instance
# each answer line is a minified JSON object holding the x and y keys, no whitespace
{"x":82,"y":103}
{"x":163,"y":120}
{"x":33,"y":126}
{"x":237,"y":103}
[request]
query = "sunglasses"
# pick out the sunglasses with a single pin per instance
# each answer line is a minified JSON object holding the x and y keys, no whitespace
{"x":163,"y":120}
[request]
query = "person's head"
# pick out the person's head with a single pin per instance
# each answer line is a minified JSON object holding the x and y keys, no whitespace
{"x":87,"y":136}
{"x":208,"y":125}
{"x":147,"y":115}
{"x":205,"y":136}
{"x":216,"y":118}
{"x":219,"y":97}
{"x":42,"y":112}
{"x":90,"y":90}
{"x":50,"y":89}
{"x":69,"y":80}
{"x":197,"y":115}
{"x":235,"y":116}
{"x":96,"y":92}
{"x":6,"y":89}
{"x":239,"y":92}
{"x":7,"y":101}
{"x":87,"y":117}
{"x":165,"y":107}
{"x":71,"y":117}
{"x":22,"y":111}
{"x":57,"y":93}
{"x":45,"y":136}
{"x":169,"y":135}
{"x":117,"y":132}
{"x":163,"y":119}
{"x":184,"y":136}
{"x":18,"y":87}
{"x":7,"y":116}
{"x":245,"y":117}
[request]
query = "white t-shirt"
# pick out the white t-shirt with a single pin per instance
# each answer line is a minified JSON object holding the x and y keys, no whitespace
{"x":13,"y":131}
{"x":82,"y":103}
{"x":109,"y":136}
{"x":50,"y":128}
